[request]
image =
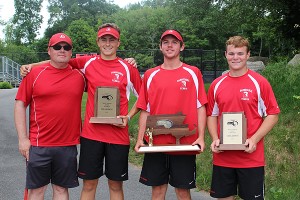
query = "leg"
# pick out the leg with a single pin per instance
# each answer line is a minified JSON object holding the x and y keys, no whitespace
{"x":60,"y":193}
{"x":159,"y":192}
{"x":155,"y":173}
{"x":116,"y":190}
{"x":37,"y":194}
{"x":182,"y":175}
{"x":227,"y":198}
{"x":89,"y":189}
{"x":251,"y":183}
{"x":183,"y":194}
{"x":90,"y":166}
{"x":116,"y":169}
{"x":38,"y":172}
{"x":224,"y":183}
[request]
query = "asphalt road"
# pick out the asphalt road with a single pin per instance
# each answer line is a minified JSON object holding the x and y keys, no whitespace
{"x":12,"y":165}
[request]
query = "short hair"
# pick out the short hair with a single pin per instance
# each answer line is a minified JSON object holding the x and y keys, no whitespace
{"x":238,"y":41}
{"x":112,"y":25}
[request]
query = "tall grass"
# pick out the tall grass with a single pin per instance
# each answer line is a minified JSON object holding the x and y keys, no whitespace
{"x":282,"y":144}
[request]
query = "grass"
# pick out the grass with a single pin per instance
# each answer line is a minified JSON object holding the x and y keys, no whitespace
{"x":282,"y":144}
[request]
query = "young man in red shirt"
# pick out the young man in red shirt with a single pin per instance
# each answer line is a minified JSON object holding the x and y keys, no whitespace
{"x":53,"y":91}
{"x":171,"y":88}
{"x":106,"y":141}
{"x":240,"y":90}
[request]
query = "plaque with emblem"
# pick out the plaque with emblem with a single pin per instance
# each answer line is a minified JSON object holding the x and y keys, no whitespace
{"x":106,"y":106}
{"x":233,"y":131}
{"x":167,"y":124}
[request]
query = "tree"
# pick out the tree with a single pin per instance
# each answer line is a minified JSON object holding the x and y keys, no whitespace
{"x":83,"y":36}
{"x":27,"y":20}
{"x":66,"y":11}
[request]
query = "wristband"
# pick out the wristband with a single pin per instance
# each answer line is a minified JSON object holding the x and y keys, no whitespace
{"x":128,"y":117}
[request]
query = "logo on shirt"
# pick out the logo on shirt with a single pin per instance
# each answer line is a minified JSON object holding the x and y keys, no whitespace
{"x":183,"y":85}
{"x":116,"y":76}
{"x":245,"y":94}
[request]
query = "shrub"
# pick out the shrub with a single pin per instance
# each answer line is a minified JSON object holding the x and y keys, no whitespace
{"x":5,"y":85}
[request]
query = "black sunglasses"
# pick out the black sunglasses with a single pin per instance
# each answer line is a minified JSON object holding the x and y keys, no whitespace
{"x":58,"y":47}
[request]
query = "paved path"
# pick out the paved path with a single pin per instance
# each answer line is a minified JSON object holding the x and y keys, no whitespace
{"x":12,"y":165}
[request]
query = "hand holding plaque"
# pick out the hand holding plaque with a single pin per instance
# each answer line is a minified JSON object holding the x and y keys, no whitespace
{"x":106,"y":106}
{"x":167,"y":124}
{"x":233,"y":131}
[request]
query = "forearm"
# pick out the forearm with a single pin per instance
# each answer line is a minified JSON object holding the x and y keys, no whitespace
{"x":133,"y":111}
{"x":142,"y":124}
{"x":40,"y":63}
{"x":212,"y":125}
{"x":201,"y":122}
{"x":267,"y":125}
{"x":20,"y":120}
{"x":25,"y":69}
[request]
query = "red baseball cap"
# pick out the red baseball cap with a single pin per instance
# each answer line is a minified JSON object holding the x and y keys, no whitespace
{"x":59,"y":37}
{"x":108,"y":31}
{"x":172,"y":32}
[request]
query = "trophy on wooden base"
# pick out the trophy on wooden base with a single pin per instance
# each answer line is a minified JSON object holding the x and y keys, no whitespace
{"x":233,"y":131}
{"x":167,"y":124}
{"x":107,"y":106}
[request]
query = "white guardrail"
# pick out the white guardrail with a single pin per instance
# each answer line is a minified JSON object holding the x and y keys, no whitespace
{"x":9,"y":71}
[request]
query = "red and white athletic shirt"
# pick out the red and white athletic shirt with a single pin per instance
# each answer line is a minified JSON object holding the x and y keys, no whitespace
{"x":252,"y":94}
{"x":170,"y":92}
{"x":111,"y":73}
{"x":54,"y":96}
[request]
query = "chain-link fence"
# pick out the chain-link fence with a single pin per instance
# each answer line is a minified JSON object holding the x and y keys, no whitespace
{"x":211,"y":62}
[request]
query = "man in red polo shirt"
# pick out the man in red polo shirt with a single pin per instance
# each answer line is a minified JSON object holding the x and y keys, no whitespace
{"x":105,"y":141}
{"x":53,"y":91}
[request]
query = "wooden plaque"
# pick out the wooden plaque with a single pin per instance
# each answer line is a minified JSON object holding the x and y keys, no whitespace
{"x":167,"y":124}
{"x":106,"y":106}
{"x":233,"y":131}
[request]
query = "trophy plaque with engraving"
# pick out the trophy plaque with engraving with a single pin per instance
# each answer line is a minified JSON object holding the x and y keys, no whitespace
{"x":106,"y":106}
{"x":233,"y":131}
{"x":167,"y":124}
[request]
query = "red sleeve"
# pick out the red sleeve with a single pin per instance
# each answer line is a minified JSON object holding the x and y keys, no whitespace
{"x":25,"y":90}
{"x":136,"y":80}
{"x":211,"y":100}
{"x":143,"y":96}
{"x":269,"y":98}
{"x":202,"y":97}
{"x":78,"y":63}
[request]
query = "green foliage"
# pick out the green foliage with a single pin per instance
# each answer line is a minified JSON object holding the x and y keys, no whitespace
{"x":204,"y":24}
{"x":5,"y":85}
{"x":282,"y":143}
{"x":284,"y":78}
{"x":83,"y":36}
{"x":27,"y":55}
{"x":134,"y":158}
{"x":145,"y":25}
{"x":26,"y":20}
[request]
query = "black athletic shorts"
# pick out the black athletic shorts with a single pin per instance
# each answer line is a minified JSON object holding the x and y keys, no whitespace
{"x":92,"y":156}
{"x":248,"y":183}
{"x":177,"y":170}
{"x":57,"y":165}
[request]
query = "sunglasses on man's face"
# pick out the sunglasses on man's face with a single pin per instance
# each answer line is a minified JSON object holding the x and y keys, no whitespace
{"x":58,"y":47}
